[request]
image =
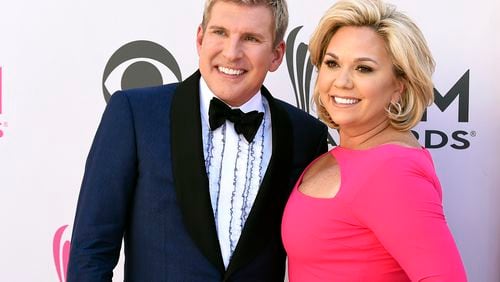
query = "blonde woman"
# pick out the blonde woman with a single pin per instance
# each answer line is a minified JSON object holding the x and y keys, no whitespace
{"x":371,"y":208}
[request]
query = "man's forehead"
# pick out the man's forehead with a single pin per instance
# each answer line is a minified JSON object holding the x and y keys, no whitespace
{"x":248,"y":19}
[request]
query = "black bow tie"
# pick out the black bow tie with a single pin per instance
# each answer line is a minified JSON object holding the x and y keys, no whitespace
{"x":244,"y":123}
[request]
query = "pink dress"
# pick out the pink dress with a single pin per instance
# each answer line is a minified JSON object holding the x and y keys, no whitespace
{"x":386,"y":222}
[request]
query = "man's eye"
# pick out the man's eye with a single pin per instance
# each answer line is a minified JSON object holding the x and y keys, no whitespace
{"x":251,"y":39}
{"x":219,"y":32}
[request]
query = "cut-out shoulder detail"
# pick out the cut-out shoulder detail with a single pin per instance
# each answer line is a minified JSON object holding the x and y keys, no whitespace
{"x":321,"y":179}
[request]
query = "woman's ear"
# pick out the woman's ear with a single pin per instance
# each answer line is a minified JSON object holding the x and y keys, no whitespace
{"x":398,"y":90}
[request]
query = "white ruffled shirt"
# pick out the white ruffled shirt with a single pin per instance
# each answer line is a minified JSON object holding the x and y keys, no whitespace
{"x":235,"y":168}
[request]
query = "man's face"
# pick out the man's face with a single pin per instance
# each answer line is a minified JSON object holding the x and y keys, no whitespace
{"x":236,"y":50}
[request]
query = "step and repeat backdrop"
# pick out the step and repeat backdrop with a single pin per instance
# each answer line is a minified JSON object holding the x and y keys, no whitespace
{"x":61,"y":60}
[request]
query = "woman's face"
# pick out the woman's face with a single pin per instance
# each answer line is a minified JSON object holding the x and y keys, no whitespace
{"x":356,"y":80}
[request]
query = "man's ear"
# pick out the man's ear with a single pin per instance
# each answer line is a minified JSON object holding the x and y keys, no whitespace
{"x":199,"y":38}
{"x":278,"y":53}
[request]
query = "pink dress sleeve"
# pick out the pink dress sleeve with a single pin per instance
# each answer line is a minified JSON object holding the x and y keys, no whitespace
{"x":403,"y":207}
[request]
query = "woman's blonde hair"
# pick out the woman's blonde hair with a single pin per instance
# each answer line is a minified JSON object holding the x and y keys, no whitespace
{"x":405,"y":43}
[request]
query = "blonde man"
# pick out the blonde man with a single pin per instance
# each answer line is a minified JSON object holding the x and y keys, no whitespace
{"x":194,"y":176}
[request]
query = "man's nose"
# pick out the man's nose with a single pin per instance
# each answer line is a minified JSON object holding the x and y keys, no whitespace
{"x":232,"y":49}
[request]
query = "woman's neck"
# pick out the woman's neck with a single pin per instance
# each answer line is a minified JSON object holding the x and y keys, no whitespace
{"x":366,"y":138}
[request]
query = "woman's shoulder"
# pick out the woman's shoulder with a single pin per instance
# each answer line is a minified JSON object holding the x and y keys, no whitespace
{"x":392,"y":148}
{"x":387,"y":151}
{"x":388,"y":160}
{"x":401,"y":156}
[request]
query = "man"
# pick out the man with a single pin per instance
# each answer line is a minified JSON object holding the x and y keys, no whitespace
{"x":194,"y":191}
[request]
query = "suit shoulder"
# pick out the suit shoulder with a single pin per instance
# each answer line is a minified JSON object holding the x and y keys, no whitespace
{"x":151,"y":93}
{"x":300,"y":117}
{"x":147,"y":99}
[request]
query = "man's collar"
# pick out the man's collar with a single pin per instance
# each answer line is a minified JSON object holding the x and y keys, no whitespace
{"x":254,"y":104}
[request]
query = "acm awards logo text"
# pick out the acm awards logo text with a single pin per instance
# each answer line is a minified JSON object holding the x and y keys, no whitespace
{"x":300,"y":71}
{"x":458,"y":139}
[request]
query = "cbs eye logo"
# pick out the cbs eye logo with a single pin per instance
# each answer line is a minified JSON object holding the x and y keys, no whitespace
{"x":139,"y":64}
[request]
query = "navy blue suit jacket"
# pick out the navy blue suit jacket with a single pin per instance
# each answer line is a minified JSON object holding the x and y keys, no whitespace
{"x":145,"y":183}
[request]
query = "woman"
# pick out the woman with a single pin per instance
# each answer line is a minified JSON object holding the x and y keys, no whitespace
{"x":371,"y":208}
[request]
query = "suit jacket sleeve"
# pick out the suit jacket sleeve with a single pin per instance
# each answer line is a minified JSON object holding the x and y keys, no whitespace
{"x":105,"y":195}
{"x":323,"y":144}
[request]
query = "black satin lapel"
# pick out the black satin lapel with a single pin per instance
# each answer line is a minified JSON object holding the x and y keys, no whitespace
{"x":190,"y":178}
{"x":263,"y":224}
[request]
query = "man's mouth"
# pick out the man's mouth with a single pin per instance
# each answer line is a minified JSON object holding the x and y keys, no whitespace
{"x":230,"y":71}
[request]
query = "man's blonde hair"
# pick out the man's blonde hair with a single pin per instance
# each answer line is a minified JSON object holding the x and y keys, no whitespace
{"x":278,"y":8}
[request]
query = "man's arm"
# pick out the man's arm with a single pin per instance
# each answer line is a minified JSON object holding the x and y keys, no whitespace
{"x":105,"y":195}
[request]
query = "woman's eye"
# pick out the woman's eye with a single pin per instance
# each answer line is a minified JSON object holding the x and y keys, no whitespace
{"x":331,"y":63}
{"x":364,"y":69}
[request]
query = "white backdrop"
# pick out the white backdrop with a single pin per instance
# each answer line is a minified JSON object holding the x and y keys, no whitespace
{"x":52,"y":59}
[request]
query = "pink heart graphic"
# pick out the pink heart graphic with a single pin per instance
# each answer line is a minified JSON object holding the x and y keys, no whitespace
{"x":61,"y":253}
